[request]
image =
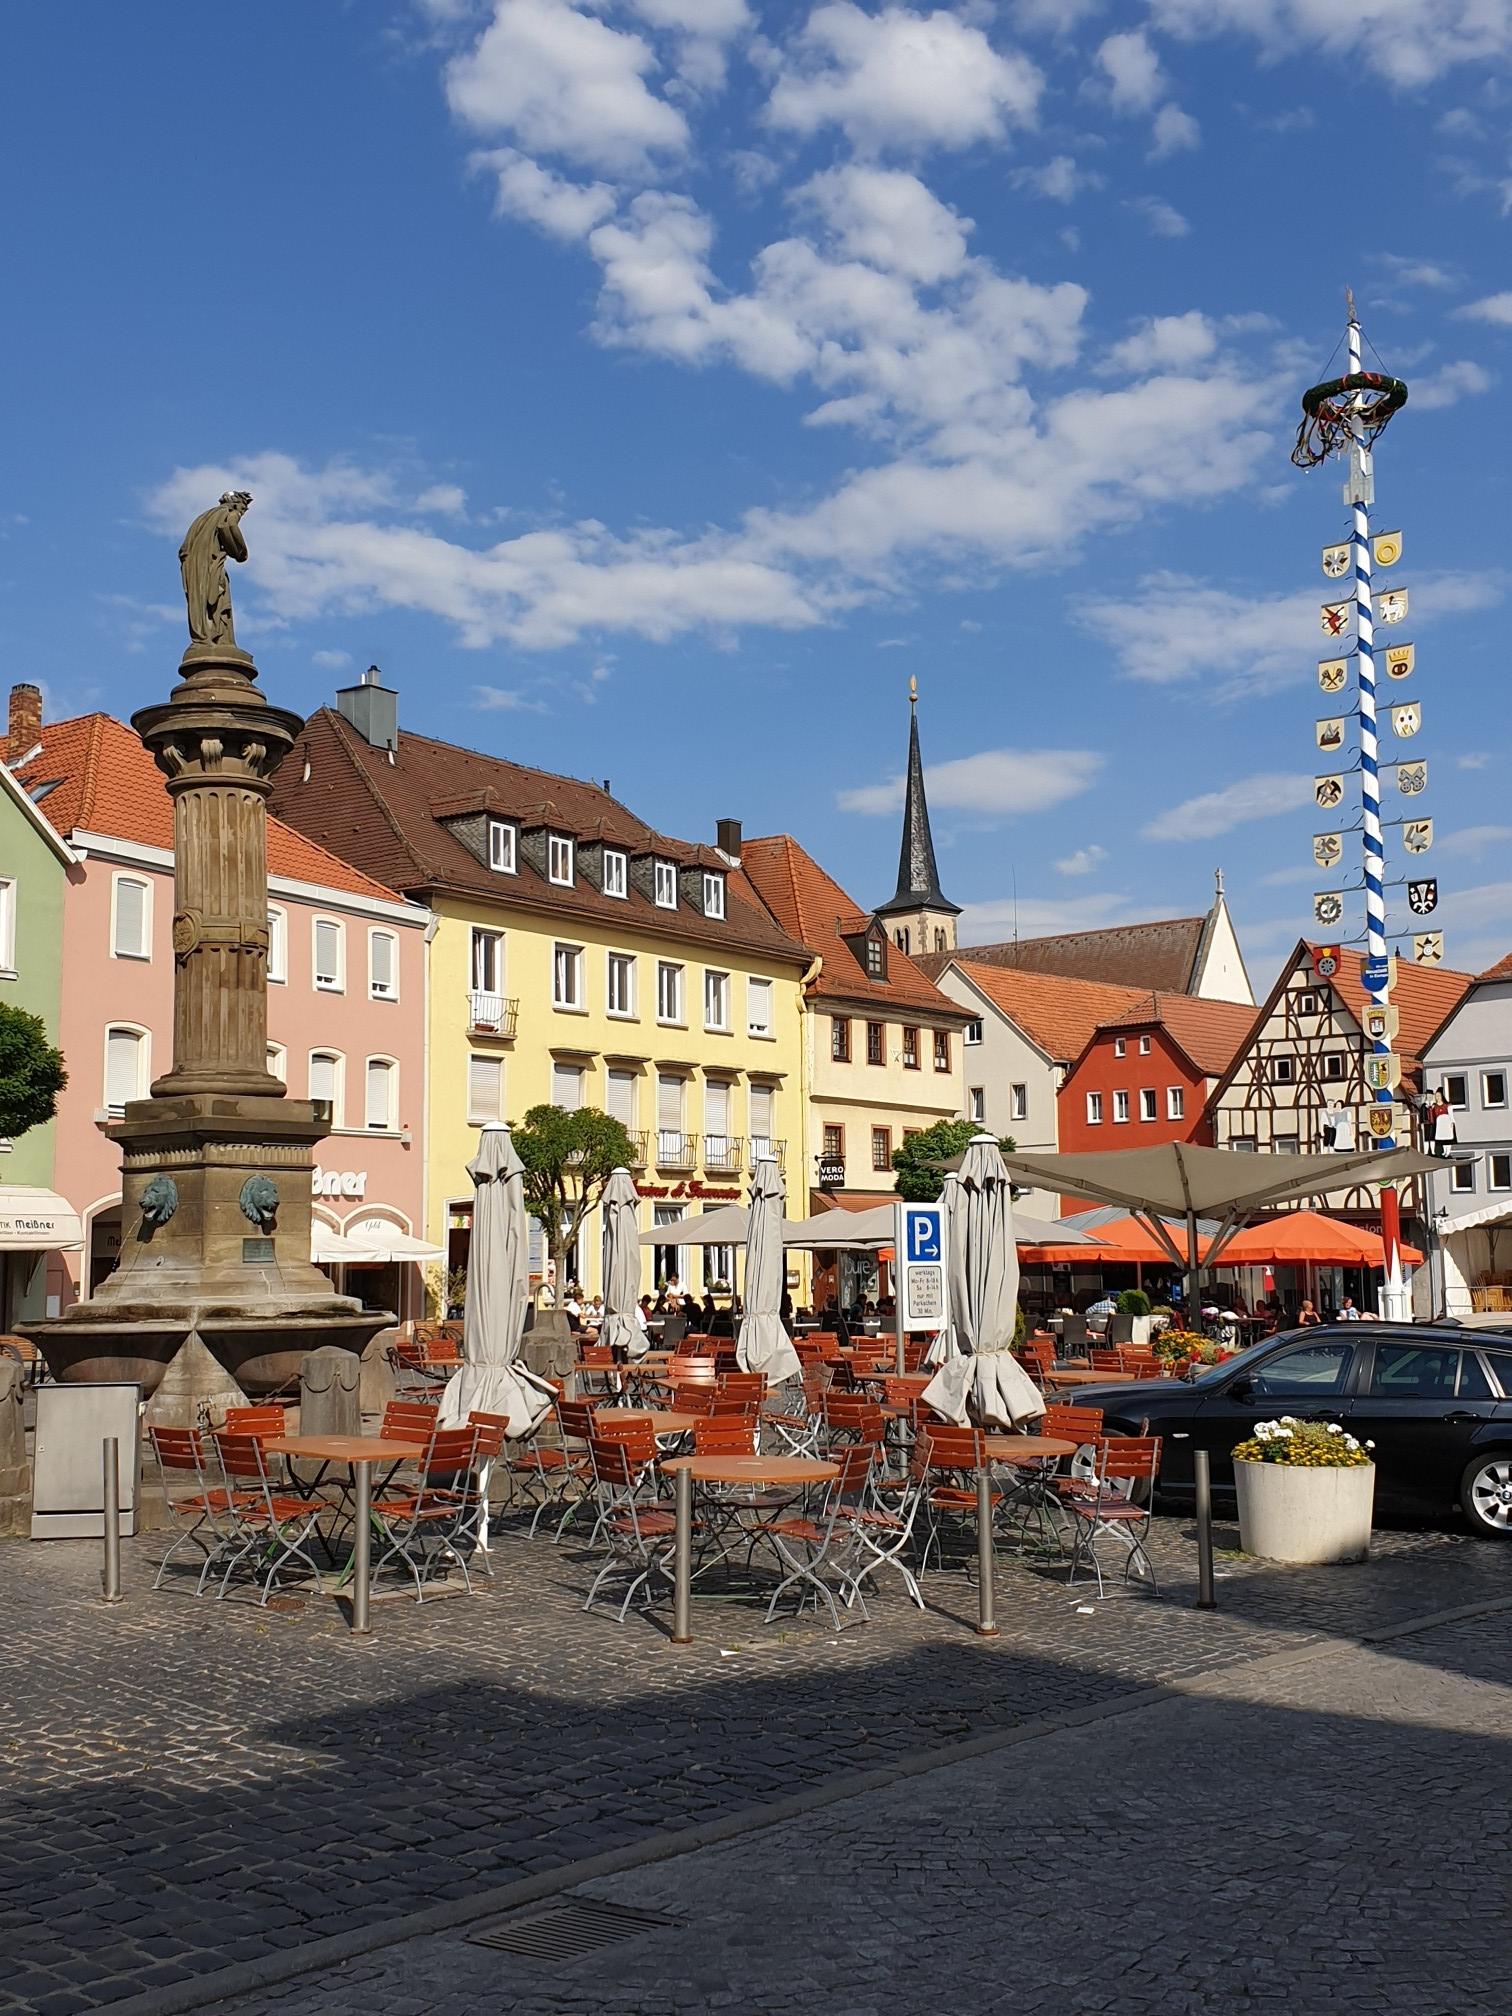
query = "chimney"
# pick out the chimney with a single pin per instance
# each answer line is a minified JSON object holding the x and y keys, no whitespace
{"x":372,"y":708}
{"x":727,"y":837}
{"x":25,"y":730}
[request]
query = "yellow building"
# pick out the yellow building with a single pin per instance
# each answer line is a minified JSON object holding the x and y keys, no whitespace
{"x":577,"y":958}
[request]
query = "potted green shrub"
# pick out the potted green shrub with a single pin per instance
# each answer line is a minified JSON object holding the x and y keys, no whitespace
{"x":1306,"y":1491}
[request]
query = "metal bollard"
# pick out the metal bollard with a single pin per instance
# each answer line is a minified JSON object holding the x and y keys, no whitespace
{"x":110,"y":1580}
{"x":682,"y":1542}
{"x":1202,"y":1476}
{"x":986,"y":1620}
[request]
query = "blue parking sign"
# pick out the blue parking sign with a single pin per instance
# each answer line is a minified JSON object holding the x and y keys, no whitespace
{"x":925,"y":1238}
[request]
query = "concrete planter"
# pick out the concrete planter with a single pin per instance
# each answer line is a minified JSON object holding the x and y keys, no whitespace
{"x":1292,"y":1512}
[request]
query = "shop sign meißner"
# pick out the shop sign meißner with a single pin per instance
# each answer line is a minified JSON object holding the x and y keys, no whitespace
{"x":350,"y":1183}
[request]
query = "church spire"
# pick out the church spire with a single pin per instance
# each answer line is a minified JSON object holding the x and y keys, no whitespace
{"x":921,"y":915}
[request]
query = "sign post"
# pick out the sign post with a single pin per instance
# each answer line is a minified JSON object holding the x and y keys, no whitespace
{"x":919,"y":1269}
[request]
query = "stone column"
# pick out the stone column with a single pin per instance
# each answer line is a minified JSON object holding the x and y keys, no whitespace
{"x":218,"y":741}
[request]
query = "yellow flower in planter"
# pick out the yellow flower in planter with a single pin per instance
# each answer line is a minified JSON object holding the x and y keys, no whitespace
{"x":1313,"y":1445}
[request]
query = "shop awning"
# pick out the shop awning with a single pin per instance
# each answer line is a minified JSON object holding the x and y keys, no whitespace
{"x":329,"y":1249}
{"x":37,"y":1221}
{"x":1490,"y":1218}
{"x":382,"y":1244}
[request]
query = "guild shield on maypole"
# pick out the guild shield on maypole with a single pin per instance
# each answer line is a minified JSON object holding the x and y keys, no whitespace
{"x":1345,"y":417}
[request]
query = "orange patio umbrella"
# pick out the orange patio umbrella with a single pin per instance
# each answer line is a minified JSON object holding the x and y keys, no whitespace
{"x":1308,"y":1238}
{"x":1122,"y":1242}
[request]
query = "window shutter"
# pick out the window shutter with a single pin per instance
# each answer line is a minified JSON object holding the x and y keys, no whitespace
{"x":379,"y":1085}
{"x":123,"y":1077}
{"x":383,"y":948}
{"x":485,"y":1088}
{"x":323,"y":1079}
{"x":131,"y":917}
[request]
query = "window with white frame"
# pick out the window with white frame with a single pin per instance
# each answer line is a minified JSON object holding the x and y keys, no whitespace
{"x":1147,"y":1102}
{"x":1245,"y":1144}
{"x":559,"y":860}
{"x":714,"y":895}
{"x":759,"y":1007}
{"x":716,"y":999}
{"x":330,"y":956}
{"x":382,"y":1101}
{"x":1286,"y":1144}
{"x":973,"y":1033}
{"x":328,"y":1082}
{"x":131,"y":918}
{"x":1283,"y":1070}
{"x":485,"y":1090}
{"x":1120,"y":1107}
{"x":1333,"y":1066}
{"x":503,"y":846}
{"x":621,"y":983}
{"x":567,"y":1081}
{"x":1501,"y":1172}
{"x":1461,"y":1176}
{"x":942,"y":1049}
{"x":616,"y":872}
{"x":7,"y":924}
{"x":278,"y":1062}
{"x":125,"y":1067}
{"x":620,"y":1102}
{"x":664,"y":885}
{"x":1457,"y":1090}
{"x":487,"y":961}
{"x":761,"y":1110}
{"x":278,"y":945}
{"x":566,"y":976}
{"x":1094,"y":1109}
{"x":1175,"y":1102}
{"x":1493,"y":1088}
{"x":383,"y":966}
{"x":1144,"y":1046}
{"x":1307,"y":1004}
{"x":876,"y":958}
{"x":1018,"y":1102}
{"x":1120,"y":1046}
{"x":977,"y":1098}
{"x":669,"y":991}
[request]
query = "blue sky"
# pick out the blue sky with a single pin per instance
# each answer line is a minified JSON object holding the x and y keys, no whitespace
{"x":652,"y":386}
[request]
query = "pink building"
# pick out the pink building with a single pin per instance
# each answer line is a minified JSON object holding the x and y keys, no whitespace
{"x":346,"y":1011}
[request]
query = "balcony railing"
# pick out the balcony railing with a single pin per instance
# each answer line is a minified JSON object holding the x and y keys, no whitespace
{"x":724,"y":1154}
{"x":675,"y":1150}
{"x":491,"y":1015}
{"x":764,"y":1149}
{"x":637,"y":1148}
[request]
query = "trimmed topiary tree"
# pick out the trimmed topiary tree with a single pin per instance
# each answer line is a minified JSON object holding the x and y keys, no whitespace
{"x":1133,"y":1302}
{"x":32,"y":1073}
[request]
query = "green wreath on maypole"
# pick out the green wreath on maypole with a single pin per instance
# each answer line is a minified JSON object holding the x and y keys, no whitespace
{"x":1366,"y":399}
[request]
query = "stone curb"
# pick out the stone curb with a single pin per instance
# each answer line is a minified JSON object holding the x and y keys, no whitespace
{"x":273,"y":1969}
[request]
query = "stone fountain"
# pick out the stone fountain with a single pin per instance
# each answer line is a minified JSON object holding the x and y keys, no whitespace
{"x":216,"y":1163}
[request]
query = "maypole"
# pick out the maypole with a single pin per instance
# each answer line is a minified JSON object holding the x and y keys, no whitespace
{"x":1346,"y":416}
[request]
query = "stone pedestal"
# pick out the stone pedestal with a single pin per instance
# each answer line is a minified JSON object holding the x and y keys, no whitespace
{"x":328,"y":1393}
{"x":15,"y":1471}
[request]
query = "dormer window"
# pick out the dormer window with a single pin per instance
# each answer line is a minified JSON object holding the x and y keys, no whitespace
{"x":616,"y":872}
{"x":665,"y":885}
{"x":501,"y":847}
{"x":876,"y":958}
{"x":714,"y":895}
{"x":559,"y":860}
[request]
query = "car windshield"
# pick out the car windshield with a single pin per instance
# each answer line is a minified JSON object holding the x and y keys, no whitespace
{"x":1249,"y":1356}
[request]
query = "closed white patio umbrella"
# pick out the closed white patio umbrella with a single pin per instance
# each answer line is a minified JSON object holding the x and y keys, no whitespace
{"x":987,"y":1384}
{"x":763,"y":1345}
{"x":622,"y":1265}
{"x":493,"y":1381}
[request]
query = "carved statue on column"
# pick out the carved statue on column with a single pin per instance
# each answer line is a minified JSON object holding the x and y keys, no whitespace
{"x":214,"y":537}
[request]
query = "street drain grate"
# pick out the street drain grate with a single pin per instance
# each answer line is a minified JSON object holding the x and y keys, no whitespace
{"x":567,"y":1931}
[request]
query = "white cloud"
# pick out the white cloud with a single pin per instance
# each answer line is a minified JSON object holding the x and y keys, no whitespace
{"x":1246,"y":798}
{"x":890,"y":220}
{"x":1449,"y":385}
{"x":703,"y":28}
{"x":1478,"y":759}
{"x":524,"y":189}
{"x":1061,"y":179}
{"x":1417,"y":272}
{"x":330,"y":661}
{"x":1472,"y":841}
{"x":1174,"y":132}
{"x":1406,"y":41}
{"x":998,"y":782}
{"x":1004,"y":917}
{"x":1163,"y":218}
{"x":1083,"y":861}
{"x":1168,"y":342}
{"x":1132,"y":68}
{"x":505,"y":700}
{"x":444,"y":500}
{"x":564,"y":82}
{"x":900,"y":79}
{"x":1495,"y":308}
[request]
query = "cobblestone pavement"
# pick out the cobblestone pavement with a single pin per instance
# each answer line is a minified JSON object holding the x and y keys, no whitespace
{"x":188,"y":1784}
{"x":1315,"y":1838}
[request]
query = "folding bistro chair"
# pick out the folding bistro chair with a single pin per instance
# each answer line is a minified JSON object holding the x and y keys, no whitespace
{"x":1073,"y":1335}
{"x":560,"y":1470}
{"x":881,"y":1528}
{"x":423,"y":1525}
{"x":195,"y":1512}
{"x":952,"y":1457}
{"x":634,"y":1528}
{"x":267,"y":1421}
{"x":267,"y":1519}
{"x":798,"y":1434}
{"x":493,"y":1432}
{"x":1106,"y":1507}
{"x":806,"y":1543}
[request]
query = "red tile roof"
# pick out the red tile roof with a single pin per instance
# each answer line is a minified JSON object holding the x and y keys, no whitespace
{"x":1162,"y":955}
{"x":388,"y":816}
{"x":1211,"y":1033}
{"x":1502,"y":970}
{"x":1423,"y":996}
{"x":93,"y":775}
{"x":1058,"y":1014}
{"x":810,"y":905}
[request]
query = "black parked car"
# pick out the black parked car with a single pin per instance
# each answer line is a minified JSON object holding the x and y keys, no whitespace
{"x":1435,"y":1400}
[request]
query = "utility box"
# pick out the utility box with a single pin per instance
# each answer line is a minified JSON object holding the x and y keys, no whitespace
{"x":68,"y":1458}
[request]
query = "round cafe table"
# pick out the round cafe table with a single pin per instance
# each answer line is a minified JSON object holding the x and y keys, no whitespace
{"x":690,"y":1470}
{"x":360,"y":1453}
{"x":663,"y":1420}
{"x":1013,"y":1449}
{"x":1054,"y":1378}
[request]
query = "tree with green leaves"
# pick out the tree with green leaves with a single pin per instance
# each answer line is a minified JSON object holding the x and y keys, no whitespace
{"x":921,"y":1160}
{"x":31,"y":1073}
{"x":568,"y":1158}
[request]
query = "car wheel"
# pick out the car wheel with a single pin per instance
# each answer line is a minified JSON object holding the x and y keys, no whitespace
{"x":1486,"y":1494}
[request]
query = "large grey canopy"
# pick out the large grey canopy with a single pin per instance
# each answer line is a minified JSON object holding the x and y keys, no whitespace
{"x":622,"y":1265}
{"x":493,"y":1381}
{"x":988,"y":1384}
{"x":763,"y":1345}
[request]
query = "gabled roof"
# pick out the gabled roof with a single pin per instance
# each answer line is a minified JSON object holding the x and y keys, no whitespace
{"x":93,"y":775}
{"x":1210,"y":1033}
{"x":1502,"y":970}
{"x":1057,"y":1014}
{"x":387,"y":817}
{"x":1163,"y":955}
{"x":810,"y":905}
{"x":11,"y":787}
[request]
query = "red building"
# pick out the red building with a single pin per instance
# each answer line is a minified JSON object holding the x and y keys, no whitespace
{"x":1146,"y":1076}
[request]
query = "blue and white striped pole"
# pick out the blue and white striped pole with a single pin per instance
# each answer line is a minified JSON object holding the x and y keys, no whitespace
{"x":1377,"y":975}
